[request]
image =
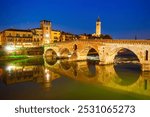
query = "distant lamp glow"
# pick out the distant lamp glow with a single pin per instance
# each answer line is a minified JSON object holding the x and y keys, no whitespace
{"x":47,"y":77}
{"x":47,"y":35}
{"x":10,"y":48}
{"x":46,"y":70}
{"x":9,"y":68}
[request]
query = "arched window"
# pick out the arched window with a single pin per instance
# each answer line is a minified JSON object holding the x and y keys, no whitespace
{"x":146,"y":55}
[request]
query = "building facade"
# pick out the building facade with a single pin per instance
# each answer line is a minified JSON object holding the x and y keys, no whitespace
{"x":44,"y":35}
{"x":36,"y":37}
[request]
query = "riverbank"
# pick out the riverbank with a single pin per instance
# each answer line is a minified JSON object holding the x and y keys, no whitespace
{"x":16,"y":57}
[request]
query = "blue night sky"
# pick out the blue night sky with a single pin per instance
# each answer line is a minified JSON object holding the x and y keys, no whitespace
{"x":120,"y":18}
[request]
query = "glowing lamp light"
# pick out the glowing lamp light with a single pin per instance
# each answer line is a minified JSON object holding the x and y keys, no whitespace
{"x":47,"y":77}
{"x":46,"y":70}
{"x":9,"y":68}
{"x":10,"y":48}
{"x":47,"y":35}
{"x":47,"y":41}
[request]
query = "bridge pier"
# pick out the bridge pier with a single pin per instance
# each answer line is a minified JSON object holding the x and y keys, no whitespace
{"x":80,"y":57}
{"x":105,"y":62}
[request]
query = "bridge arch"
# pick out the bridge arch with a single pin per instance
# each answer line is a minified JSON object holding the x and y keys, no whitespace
{"x":127,"y":53}
{"x":64,"y":53}
{"x":125,"y":56}
{"x":84,"y":51}
{"x":134,"y":53}
{"x":92,"y":54}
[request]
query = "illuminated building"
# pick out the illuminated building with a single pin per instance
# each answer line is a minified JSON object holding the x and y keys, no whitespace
{"x":67,"y":36}
{"x":28,"y":73}
{"x":98,"y":28}
{"x":17,"y":37}
{"x":55,"y":34}
{"x":46,"y":31}
{"x":36,"y":37}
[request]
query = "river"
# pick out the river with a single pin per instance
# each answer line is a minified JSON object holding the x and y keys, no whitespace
{"x":47,"y":79}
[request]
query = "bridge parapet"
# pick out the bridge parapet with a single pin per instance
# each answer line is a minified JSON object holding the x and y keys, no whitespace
{"x":142,"y":42}
{"x":117,"y":41}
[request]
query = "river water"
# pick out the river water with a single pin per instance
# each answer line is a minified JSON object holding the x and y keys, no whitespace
{"x":47,"y":79}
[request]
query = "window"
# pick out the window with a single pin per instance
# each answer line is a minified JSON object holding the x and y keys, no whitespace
{"x":9,"y":34}
{"x":10,"y":39}
{"x":17,"y":35}
{"x":55,"y":37}
{"x":24,"y":35}
{"x":18,"y":40}
{"x":146,"y":55}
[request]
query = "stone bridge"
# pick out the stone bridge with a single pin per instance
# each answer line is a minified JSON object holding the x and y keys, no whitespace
{"x":106,"y":49}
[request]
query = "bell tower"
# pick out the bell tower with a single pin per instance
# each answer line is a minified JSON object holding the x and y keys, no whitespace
{"x":46,"y":29}
{"x":98,"y":27}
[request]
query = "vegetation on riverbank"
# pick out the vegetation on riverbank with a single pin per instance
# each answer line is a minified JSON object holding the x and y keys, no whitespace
{"x":13,"y":57}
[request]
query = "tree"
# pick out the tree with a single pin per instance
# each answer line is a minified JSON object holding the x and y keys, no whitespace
{"x":101,"y":36}
{"x":107,"y":37}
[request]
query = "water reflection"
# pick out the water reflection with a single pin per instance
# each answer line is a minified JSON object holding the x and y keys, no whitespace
{"x":65,"y":64}
{"x":26,"y":71}
{"x":91,"y":67}
{"x":128,"y":73}
{"x":51,"y":60}
{"x":121,"y":77}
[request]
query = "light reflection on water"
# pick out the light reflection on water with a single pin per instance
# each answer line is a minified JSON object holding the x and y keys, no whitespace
{"x":62,"y":79}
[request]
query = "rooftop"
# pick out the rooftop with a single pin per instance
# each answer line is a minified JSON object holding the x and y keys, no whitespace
{"x":20,"y":30}
{"x":98,"y":19}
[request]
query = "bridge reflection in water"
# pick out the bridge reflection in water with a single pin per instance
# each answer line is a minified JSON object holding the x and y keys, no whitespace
{"x":119,"y":79}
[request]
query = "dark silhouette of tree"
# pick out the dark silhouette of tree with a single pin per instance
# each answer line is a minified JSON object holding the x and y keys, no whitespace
{"x":107,"y":37}
{"x":101,"y":36}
